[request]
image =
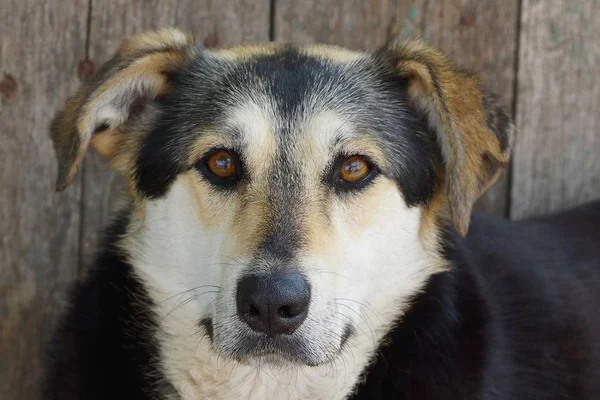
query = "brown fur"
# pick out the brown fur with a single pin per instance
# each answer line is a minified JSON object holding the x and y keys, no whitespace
{"x":144,"y":58}
{"x":453,"y":102}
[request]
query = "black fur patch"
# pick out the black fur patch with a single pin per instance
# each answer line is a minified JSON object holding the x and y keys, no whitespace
{"x":104,"y":348}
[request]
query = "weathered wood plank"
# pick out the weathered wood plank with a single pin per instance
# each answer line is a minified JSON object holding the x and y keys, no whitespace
{"x":40,"y":44}
{"x":480,"y":35}
{"x":220,"y":23}
{"x":556,"y":162}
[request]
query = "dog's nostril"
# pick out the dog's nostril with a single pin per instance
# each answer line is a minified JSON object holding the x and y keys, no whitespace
{"x":253,"y":311}
{"x":290,"y":311}
{"x":285,"y":312}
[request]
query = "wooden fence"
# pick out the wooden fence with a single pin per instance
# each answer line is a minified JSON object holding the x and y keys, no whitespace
{"x":542,"y":57}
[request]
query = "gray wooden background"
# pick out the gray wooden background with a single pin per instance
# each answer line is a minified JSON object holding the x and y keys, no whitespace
{"x":542,"y":57}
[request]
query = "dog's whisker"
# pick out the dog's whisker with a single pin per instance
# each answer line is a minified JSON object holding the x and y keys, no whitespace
{"x":219,"y":264}
{"x":363,"y":304}
{"x":190,"y":290}
{"x":238,"y":262}
{"x":365,"y":318}
{"x":363,"y":307}
{"x":233,"y":369}
{"x":180,"y":304}
{"x":327,"y":271}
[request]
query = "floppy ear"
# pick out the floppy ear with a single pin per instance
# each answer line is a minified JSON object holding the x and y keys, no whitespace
{"x":137,"y":73}
{"x":474,"y":133}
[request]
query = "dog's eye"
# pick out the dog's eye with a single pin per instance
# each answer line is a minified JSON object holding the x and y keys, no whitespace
{"x":221,"y":167}
{"x":221,"y":164}
{"x":355,"y":169}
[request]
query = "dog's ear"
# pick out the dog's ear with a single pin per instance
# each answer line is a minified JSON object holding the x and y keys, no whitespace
{"x":138,"y":72}
{"x":474,"y":133}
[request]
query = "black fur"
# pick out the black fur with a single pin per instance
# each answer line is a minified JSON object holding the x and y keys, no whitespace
{"x":104,"y":349}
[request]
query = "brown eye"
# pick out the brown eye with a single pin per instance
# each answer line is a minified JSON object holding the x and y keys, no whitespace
{"x":354,"y":169}
{"x":221,"y":164}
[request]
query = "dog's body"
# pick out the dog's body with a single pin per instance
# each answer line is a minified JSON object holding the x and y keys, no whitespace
{"x":289,"y":235}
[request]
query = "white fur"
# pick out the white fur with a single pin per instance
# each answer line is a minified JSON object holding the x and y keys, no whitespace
{"x":374,"y":261}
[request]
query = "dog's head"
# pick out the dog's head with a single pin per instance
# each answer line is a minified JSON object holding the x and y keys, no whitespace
{"x":287,"y":197}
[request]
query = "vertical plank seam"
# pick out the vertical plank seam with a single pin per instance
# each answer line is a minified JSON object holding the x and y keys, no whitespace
{"x":88,"y":30}
{"x":272,"y":6}
{"x":82,"y":197}
{"x":508,"y":212}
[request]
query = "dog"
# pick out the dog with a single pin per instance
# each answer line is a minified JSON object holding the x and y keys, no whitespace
{"x":298,"y":226}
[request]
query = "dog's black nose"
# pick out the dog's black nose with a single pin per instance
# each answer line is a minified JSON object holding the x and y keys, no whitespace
{"x":274,"y":303}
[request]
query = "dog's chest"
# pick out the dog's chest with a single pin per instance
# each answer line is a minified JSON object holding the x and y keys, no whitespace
{"x":242,"y":382}
{"x":196,"y":372}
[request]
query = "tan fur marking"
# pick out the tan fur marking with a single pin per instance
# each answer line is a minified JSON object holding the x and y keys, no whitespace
{"x":364,"y":145}
{"x":318,"y":232}
{"x":256,"y":122}
{"x":244,"y":52}
{"x":432,"y":217}
{"x":249,"y":227}
{"x":336,"y":54}
{"x":106,"y":143}
{"x":152,"y":41}
{"x":332,"y":53}
{"x":202,"y":196}
{"x":205,"y":142}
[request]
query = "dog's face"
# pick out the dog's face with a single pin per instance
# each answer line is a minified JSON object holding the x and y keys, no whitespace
{"x":286,"y":198}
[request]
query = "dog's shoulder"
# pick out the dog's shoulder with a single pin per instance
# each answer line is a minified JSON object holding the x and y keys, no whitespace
{"x":540,"y":277}
{"x":558,"y":238}
{"x":551,"y":260}
{"x":103,"y":346}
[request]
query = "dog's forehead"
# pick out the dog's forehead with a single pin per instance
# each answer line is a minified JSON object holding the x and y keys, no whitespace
{"x":265,"y":97}
{"x":277,"y":93}
{"x":290,"y":84}
{"x":263,"y":133}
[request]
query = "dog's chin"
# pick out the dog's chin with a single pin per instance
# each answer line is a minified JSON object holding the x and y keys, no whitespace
{"x":273,"y":359}
{"x":253,"y":348}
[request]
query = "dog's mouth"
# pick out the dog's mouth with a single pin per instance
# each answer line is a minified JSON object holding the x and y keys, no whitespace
{"x":250,"y":347}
